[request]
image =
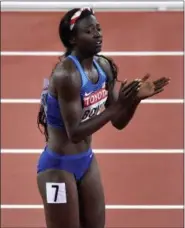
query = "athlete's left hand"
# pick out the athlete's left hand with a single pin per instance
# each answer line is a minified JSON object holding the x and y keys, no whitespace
{"x":151,"y":88}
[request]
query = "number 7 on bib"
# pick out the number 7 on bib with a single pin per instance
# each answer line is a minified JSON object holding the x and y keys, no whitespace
{"x":56,"y":193}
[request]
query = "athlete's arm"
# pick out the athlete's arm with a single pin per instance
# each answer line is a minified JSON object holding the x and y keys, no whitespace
{"x":125,"y":114}
{"x":68,"y":91}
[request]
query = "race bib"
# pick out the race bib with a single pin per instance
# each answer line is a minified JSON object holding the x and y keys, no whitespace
{"x":56,"y":193}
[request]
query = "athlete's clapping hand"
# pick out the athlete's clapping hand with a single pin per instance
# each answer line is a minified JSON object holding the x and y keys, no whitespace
{"x":140,"y":89}
{"x":150,"y":88}
{"x":128,"y":92}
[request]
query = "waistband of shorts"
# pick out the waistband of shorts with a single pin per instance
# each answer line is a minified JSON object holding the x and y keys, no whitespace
{"x":70,"y":156}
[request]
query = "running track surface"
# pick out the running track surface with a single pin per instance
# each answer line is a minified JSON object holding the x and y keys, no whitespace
{"x":129,"y":179}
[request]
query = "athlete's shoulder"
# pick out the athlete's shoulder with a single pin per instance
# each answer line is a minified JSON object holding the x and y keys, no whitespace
{"x":64,"y":68}
{"x":105,"y":65}
{"x":65,"y":74}
{"x":102,"y":61}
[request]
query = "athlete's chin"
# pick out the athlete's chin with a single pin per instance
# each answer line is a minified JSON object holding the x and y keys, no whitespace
{"x":97,"y":50}
{"x":94,"y":51}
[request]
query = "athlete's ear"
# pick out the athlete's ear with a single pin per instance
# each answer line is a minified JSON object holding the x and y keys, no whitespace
{"x":73,"y":40}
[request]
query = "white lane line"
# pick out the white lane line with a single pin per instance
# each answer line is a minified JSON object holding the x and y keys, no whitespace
{"x":108,"y":53}
{"x":149,"y":101}
{"x":20,"y":101}
{"x":109,"y":207}
{"x":102,"y":151}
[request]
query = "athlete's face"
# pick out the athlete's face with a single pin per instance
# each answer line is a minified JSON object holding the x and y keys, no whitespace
{"x":88,"y":37}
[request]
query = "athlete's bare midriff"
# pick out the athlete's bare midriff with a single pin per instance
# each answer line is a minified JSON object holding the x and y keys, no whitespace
{"x":61,"y":144}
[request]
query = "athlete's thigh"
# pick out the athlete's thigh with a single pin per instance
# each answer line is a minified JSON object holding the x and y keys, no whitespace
{"x":91,"y":198}
{"x":60,"y":198}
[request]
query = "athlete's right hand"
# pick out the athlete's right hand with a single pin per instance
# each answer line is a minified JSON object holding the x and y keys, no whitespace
{"x":128,"y":92}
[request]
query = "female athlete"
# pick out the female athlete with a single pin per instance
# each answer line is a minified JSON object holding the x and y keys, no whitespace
{"x":80,"y":100}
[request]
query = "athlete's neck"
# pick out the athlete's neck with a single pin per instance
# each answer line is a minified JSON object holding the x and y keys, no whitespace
{"x":87,"y":62}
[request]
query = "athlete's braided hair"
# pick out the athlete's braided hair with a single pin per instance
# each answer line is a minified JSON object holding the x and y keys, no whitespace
{"x":65,"y":35}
